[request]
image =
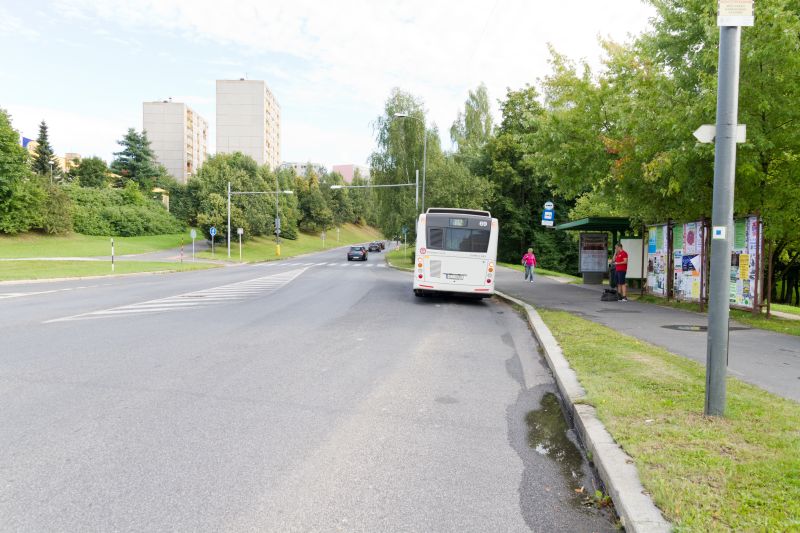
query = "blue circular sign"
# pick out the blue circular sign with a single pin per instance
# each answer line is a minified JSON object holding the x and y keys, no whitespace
{"x":213,"y":231}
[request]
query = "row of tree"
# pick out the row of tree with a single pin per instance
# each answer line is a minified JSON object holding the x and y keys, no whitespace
{"x":616,"y":141}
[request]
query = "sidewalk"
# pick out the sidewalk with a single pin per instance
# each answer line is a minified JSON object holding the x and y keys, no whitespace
{"x":764,"y":358}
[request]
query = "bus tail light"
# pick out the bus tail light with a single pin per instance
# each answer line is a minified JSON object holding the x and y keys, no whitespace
{"x":488,"y":281}
{"x":419,"y":276}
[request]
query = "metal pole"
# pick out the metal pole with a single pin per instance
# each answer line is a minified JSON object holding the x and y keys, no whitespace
{"x":424,"y":162}
{"x":112,"y":254}
{"x":277,"y":214}
{"x":229,"y":220}
{"x":240,"y":247}
{"x":416,"y":197}
{"x":722,"y":218}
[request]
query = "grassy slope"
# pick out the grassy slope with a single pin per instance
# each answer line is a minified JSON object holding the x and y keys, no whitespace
{"x":400,"y":259}
{"x":77,"y":245}
{"x":738,"y":473}
{"x":263,"y":248}
{"x":30,"y":269}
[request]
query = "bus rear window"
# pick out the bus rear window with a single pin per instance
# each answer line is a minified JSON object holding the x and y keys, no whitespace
{"x":458,"y":239}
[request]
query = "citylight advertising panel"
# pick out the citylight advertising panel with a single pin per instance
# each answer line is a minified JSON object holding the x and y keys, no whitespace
{"x":747,"y":239}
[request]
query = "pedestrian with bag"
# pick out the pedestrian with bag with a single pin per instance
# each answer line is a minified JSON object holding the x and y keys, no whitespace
{"x":529,"y":262}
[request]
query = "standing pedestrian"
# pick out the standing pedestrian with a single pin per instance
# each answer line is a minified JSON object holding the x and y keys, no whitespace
{"x":620,"y":262}
{"x":529,"y":262}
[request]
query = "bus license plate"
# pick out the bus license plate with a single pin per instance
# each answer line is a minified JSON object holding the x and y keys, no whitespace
{"x":455,"y":276}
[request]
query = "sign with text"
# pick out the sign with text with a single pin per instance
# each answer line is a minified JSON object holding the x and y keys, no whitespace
{"x":735,"y":13}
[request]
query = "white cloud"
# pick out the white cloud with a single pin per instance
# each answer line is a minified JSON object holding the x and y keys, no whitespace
{"x":11,"y":25}
{"x":350,"y":53}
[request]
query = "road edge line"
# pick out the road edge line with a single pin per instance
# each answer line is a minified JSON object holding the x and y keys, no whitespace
{"x":616,"y":468}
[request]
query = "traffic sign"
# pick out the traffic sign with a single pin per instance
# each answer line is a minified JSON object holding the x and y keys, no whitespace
{"x":548,"y":217}
{"x":404,"y":230}
{"x":549,"y":205}
{"x":240,"y":231}
{"x":193,"y":234}
{"x":212,"y":231}
{"x":278,"y":222}
{"x":707,"y":132}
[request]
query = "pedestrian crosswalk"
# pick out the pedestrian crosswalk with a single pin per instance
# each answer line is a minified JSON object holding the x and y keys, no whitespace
{"x":334,"y":264}
{"x":198,"y":299}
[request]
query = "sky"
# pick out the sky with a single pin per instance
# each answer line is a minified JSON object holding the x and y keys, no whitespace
{"x":86,"y":66}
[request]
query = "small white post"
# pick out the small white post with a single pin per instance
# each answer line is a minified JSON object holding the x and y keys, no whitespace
{"x":112,"y":254}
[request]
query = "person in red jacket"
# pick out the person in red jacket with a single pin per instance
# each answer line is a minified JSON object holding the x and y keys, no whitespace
{"x":529,"y":262}
{"x":620,"y":262}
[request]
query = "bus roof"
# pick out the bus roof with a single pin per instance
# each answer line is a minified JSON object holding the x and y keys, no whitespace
{"x":452,"y":211}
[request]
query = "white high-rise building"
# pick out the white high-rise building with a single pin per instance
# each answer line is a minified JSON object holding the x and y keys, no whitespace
{"x":248,"y":120}
{"x":178,"y":137}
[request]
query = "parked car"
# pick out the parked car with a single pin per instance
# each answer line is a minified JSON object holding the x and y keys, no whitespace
{"x":374,"y":247}
{"x":357,"y":253}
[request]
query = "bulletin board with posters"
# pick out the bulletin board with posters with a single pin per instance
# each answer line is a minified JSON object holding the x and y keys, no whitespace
{"x":594,"y":252}
{"x":657,"y":259}
{"x":745,"y":261}
{"x":688,"y":261}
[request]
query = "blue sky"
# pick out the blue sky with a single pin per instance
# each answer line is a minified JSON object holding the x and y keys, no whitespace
{"x":86,"y":66}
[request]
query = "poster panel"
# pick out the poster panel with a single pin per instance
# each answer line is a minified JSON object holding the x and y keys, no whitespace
{"x":688,"y":261}
{"x":746,"y":247}
{"x":657,"y":259}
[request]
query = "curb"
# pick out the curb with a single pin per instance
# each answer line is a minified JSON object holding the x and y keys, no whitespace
{"x":636,"y":510}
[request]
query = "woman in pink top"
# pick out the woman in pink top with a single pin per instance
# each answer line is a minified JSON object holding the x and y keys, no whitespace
{"x":529,"y":262}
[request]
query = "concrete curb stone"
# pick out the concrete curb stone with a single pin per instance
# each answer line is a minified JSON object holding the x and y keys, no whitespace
{"x":617,"y":470}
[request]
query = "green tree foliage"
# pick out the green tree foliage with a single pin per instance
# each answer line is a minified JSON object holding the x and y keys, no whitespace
{"x":55,"y":209}
{"x":90,"y":172}
{"x":315,"y":215}
{"x":472,"y":128}
{"x":338,"y":200}
{"x":44,"y":160}
{"x":20,"y":196}
{"x":136,"y":161}
{"x":363,"y":201}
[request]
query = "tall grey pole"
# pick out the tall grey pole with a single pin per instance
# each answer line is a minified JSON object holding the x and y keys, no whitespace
{"x":229,"y":220}
{"x":722,"y":218}
{"x":416,"y":196}
{"x":424,"y":161}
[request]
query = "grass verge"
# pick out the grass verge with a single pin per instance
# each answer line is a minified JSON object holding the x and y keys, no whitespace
{"x":77,"y":245}
{"x":263,"y":248}
{"x":31,"y":269}
{"x":792,"y":309}
{"x":774,"y":323}
{"x":737,"y":473}
{"x":543,"y":272}
{"x":400,"y":259}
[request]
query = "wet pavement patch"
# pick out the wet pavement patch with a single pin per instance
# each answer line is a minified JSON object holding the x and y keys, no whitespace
{"x":547,"y":435}
{"x":691,"y":327}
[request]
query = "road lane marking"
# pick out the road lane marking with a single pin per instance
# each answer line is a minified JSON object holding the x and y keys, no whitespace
{"x":197,"y":299}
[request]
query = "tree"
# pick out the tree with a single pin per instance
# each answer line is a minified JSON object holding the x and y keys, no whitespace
{"x":20,"y":196}
{"x":91,"y":172}
{"x":472,"y":128}
{"x":136,"y":161}
{"x":44,"y":159}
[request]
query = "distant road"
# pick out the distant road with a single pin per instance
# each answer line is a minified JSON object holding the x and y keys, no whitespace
{"x":306,"y":395}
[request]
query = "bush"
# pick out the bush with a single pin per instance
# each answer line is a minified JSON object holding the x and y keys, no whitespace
{"x":126,"y":212}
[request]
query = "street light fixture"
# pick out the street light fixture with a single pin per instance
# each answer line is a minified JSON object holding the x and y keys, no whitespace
{"x":277,"y":211}
{"x":424,"y":148}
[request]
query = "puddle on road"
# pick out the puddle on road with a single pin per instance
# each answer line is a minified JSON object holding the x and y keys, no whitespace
{"x":547,"y":435}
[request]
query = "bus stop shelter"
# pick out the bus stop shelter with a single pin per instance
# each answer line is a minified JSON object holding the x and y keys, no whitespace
{"x":595,"y":248}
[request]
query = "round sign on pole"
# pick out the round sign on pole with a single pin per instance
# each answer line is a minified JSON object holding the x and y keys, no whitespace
{"x":193,"y":234}
{"x":212,"y":231}
{"x":548,"y":205}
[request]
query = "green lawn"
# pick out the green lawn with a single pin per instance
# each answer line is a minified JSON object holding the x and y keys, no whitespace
{"x":263,"y":248}
{"x":403,"y":260}
{"x":738,"y":473}
{"x":543,"y":272}
{"x":31,"y":269}
{"x":77,"y":245}
{"x":786,"y":308}
{"x":779,"y":325}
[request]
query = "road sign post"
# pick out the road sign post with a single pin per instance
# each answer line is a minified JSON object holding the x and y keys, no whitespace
{"x":548,"y":215}
{"x":213,"y":232}
{"x":733,"y":14}
{"x":240,"y":232}
{"x":193,"y":235}
{"x":323,"y":239}
{"x":112,"y":254}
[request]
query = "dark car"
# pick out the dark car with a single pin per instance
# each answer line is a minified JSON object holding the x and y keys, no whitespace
{"x":357,"y":253}
{"x":374,"y":247}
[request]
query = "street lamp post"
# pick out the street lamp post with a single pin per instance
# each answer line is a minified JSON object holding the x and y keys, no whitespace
{"x":277,"y":212}
{"x":424,"y":150}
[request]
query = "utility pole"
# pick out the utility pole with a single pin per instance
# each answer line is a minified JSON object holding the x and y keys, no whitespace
{"x":229,"y":220}
{"x":733,"y":14}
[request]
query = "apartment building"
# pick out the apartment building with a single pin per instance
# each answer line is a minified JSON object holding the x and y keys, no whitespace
{"x":301,"y":168}
{"x":178,"y":137}
{"x":348,"y":171}
{"x":248,"y":120}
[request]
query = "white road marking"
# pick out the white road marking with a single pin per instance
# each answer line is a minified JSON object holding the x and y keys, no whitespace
{"x":197,"y":299}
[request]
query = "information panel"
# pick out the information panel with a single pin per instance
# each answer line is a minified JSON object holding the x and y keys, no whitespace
{"x":594,"y":252}
{"x":657,"y":259}
{"x":688,"y":263}
{"x":746,"y":248}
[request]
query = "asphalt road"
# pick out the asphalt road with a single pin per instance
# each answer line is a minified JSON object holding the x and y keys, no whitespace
{"x":307,"y":395}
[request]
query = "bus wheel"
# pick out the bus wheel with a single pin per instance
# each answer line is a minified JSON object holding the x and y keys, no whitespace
{"x":418,"y":293}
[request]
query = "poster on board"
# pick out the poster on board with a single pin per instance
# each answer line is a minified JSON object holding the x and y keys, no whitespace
{"x":747,"y":246}
{"x":657,"y":259}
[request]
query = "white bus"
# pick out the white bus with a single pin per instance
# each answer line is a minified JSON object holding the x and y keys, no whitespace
{"x":456,"y":252}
